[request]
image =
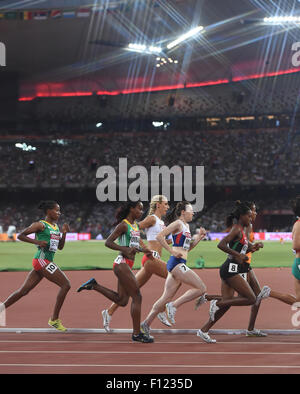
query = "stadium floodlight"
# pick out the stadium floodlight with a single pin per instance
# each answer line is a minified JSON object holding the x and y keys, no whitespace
{"x":25,"y":147}
{"x":155,"y":49}
{"x":137,"y":47}
{"x":282,"y":19}
{"x":185,"y":36}
{"x":144,"y":48}
{"x":157,"y":124}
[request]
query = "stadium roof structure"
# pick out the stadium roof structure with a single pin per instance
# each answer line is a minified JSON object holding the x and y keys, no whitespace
{"x":81,"y":47}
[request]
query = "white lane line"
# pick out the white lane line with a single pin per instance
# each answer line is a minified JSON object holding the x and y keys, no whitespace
{"x":144,"y":352}
{"x":155,"y":343}
{"x":150,"y":366}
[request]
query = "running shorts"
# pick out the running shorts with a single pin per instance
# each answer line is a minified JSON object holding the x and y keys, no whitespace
{"x":230,"y":268}
{"x":123,"y":260}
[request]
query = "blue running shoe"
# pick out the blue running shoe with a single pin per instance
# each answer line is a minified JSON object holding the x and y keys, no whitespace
{"x":89,"y":285}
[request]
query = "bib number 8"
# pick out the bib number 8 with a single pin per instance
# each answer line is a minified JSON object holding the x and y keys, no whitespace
{"x":233,"y":268}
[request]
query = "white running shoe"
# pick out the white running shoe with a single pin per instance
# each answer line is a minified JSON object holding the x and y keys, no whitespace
{"x":199,"y":301}
{"x":106,"y":320}
{"x":213,"y":309}
{"x":206,"y":338}
{"x":256,"y":333}
{"x":163,"y":318}
{"x":171,"y":311}
{"x":145,"y":328}
{"x":264,"y":293}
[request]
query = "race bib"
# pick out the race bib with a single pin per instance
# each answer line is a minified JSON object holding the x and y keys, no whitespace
{"x":233,"y":268}
{"x":51,"y":267}
{"x":155,"y":254}
{"x":244,"y":275}
{"x":54,"y":241}
{"x":187,"y":242}
{"x":183,"y":268}
{"x":244,"y":249}
{"x":119,"y":259}
{"x":134,"y":239}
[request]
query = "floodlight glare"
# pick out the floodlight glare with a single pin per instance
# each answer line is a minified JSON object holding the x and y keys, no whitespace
{"x":154,"y":49}
{"x":282,"y":19}
{"x":137,"y":47}
{"x":185,"y":36}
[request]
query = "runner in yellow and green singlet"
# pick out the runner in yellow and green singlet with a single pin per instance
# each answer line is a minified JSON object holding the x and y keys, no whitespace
{"x":48,"y":240}
{"x":129,"y":243}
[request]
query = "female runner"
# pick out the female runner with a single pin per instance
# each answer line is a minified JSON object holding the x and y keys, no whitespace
{"x":289,"y":298}
{"x":233,"y":270}
{"x":48,"y":240}
{"x":178,"y":272}
{"x":152,"y":225}
{"x":128,"y":234}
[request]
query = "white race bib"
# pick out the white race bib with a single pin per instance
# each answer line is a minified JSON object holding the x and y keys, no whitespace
{"x":51,"y":267}
{"x":187,"y":242}
{"x":233,"y":268}
{"x":134,"y":239}
{"x":54,"y":241}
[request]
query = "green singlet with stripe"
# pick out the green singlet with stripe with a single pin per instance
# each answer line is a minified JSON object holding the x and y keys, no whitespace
{"x":132,"y":236}
{"x":50,"y":234}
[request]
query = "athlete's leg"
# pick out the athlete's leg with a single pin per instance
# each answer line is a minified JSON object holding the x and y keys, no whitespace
{"x":254,"y":284}
{"x":58,"y":277}
{"x":33,"y":278}
{"x":185,"y":275}
{"x":171,"y":287}
{"x":227,"y":293}
{"x":288,"y":298}
{"x":245,"y":296}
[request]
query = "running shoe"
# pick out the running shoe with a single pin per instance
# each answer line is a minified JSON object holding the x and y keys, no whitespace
{"x":106,"y":320}
{"x":145,"y":329}
{"x":256,"y":333}
{"x":264,"y":293}
{"x":206,"y":338}
{"x":171,"y":311}
{"x":57,"y":325}
{"x":163,"y":318}
{"x":142,"y":338}
{"x":213,"y":309}
{"x":89,"y":285}
{"x":199,"y":301}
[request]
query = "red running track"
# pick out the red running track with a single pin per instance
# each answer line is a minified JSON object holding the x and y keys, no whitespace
{"x":70,"y":353}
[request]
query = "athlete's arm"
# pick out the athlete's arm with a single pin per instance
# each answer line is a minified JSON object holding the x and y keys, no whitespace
{"x":296,"y":236}
{"x":198,"y":237}
{"x":161,"y":237}
{"x":125,"y":250}
{"x":234,"y":234}
{"x":35,"y":227}
{"x":149,"y":221}
{"x":65,"y":230}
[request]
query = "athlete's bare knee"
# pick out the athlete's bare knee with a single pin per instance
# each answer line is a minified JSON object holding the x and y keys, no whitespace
{"x":252,"y":299}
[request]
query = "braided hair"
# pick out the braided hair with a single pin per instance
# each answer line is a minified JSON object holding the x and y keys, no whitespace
{"x":47,"y":204}
{"x":123,"y":211}
{"x":241,"y":208}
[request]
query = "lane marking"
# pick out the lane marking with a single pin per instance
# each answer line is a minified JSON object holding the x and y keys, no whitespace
{"x":144,"y":352}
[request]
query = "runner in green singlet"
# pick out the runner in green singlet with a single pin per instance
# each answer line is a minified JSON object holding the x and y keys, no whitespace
{"x":129,"y":243}
{"x":289,"y":298}
{"x":48,"y":240}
